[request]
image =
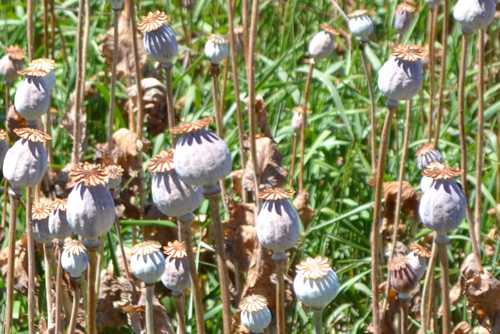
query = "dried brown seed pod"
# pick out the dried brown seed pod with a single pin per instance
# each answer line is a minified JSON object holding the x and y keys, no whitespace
{"x":405,"y":271}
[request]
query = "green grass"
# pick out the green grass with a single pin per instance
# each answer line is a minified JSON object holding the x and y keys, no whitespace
{"x":338,"y":128}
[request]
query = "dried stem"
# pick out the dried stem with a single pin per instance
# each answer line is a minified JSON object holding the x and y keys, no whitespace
{"x":403,"y":316}
{"x":251,"y":95}
{"x":5,"y":202}
{"x":75,"y":157}
{"x":52,"y":29}
{"x":10,"y":263}
{"x":58,"y":288}
{"x":30,"y":32}
{"x":432,"y":35}
{"x":442,"y":75}
{"x":122,"y":250}
{"x":236,"y":87}
{"x":116,"y":13}
{"x":181,"y":324}
{"x":74,"y":307}
{"x":45,"y":28}
{"x":463,"y":144}
{"x":221,"y":261}
{"x":170,"y":100}
{"x":292,"y":160}
{"x":280,"y":265}
{"x":445,"y":289}
{"x":340,"y":10}
{"x":479,"y":140}
{"x":48,"y":274}
{"x":427,"y":300}
{"x":245,"y":11}
{"x":31,"y":262}
{"x":222,"y":94}
{"x":379,"y":178}
{"x":303,"y":125}
{"x":186,"y":237}
{"x":91,"y":290}
{"x":318,"y":321}
{"x":149,"y":293}
{"x":371,"y":114}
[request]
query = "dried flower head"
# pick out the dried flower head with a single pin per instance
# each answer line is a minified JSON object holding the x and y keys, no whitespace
{"x":407,"y":7}
{"x":420,"y":250}
{"x":300,"y":109}
{"x":44,"y":64}
{"x":410,"y":53}
{"x":274,"y":194}
{"x":253,"y":303}
{"x":58,"y":204}
{"x":89,"y":174}
{"x":162,"y":162}
{"x":14,"y":52}
{"x":74,"y":247}
{"x":146,"y":248}
{"x":114,"y":171}
{"x":191,"y":127}
{"x":33,"y":135}
{"x":314,"y":268}
{"x":424,"y":149}
{"x":152,"y":21}
{"x":41,"y":209}
{"x":439,"y":171}
{"x":358,"y":13}
{"x":328,"y":29}
{"x":33,"y":72}
{"x":176,"y":249}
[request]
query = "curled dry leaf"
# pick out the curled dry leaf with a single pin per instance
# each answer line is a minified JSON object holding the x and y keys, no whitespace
{"x":306,"y":213}
{"x":236,"y":179}
{"x":269,"y":164}
{"x":240,"y":235}
{"x":14,"y":121}
{"x":462,"y":328}
{"x":155,"y":117}
{"x":110,"y":292}
{"x":20,"y":266}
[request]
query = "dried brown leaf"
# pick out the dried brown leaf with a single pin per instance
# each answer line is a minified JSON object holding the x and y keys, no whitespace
{"x":306,"y":213}
{"x":462,"y":328}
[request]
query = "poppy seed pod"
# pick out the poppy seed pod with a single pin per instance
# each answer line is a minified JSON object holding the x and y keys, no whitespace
{"x":45,"y":65}
{"x":115,"y":173}
{"x":426,"y":155}
{"x":404,"y":273}
{"x":422,"y":253}
{"x":474,"y":14}
{"x":160,"y":42}
{"x":298,"y":118}
{"x":216,"y":49}
{"x":360,"y":25}
{"x":40,"y":221}
{"x":400,"y":78}
{"x":432,"y":3}
{"x":425,"y":183}
{"x":4,"y":146}
{"x":25,"y":162}
{"x":90,"y":209}
{"x":74,"y":258}
{"x":322,"y":44}
{"x":11,"y":63}
{"x":255,"y":314}
{"x":200,"y":158}
{"x":176,"y":276}
{"x":58,"y":222}
{"x":147,"y":262}
{"x":442,"y":206}
{"x":403,"y":17}
{"x":32,"y":98}
{"x":278,"y":223}
{"x":171,"y":195}
{"x":315,"y":283}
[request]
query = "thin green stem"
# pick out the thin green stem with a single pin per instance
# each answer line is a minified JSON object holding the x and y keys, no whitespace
{"x":318,"y":321}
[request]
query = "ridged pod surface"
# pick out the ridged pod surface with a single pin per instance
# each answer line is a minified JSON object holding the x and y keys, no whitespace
{"x":32,"y":98}
{"x":405,"y":271}
{"x":426,"y":155}
{"x":474,"y":14}
{"x":40,"y":221}
{"x":255,"y":314}
{"x":176,"y":276}
{"x":360,"y":25}
{"x":74,"y":258}
{"x":403,"y":17}
{"x":147,"y":262}
{"x":58,"y":223}
{"x":160,"y":41}
{"x":321,"y":45}
{"x":216,"y":49}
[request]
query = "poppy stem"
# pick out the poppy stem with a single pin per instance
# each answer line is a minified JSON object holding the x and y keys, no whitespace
{"x":181,"y":324}
{"x":5,"y":202}
{"x":186,"y":237}
{"x":31,"y":262}
{"x":432,"y":35}
{"x":445,"y":289}
{"x":371,"y":113}
{"x":112,"y":103}
{"x":30,"y":32}
{"x":45,"y":28}
{"x":58,"y":288}
{"x":379,"y":180}
{"x":10,"y":262}
{"x":303,"y":125}
{"x":236,"y":88}
{"x":170,"y":101}
{"x":318,"y":321}
{"x":48,"y":274}
{"x":292,"y":160}
{"x":280,"y":265}
{"x":403,"y":316}
{"x":91,"y":293}
{"x":442,"y":74}
{"x":148,"y":300}
{"x":74,"y":307}
{"x":137,"y":69}
{"x":427,"y":300}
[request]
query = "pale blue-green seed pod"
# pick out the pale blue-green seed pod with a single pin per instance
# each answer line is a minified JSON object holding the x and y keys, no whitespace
{"x":176,"y":276}
{"x":201,"y":158}
{"x":147,"y":262}
{"x":74,"y":258}
{"x":427,"y":155}
{"x":216,"y":49}
{"x":315,"y":283}
{"x":48,"y":66}
{"x":360,"y":25}
{"x":58,"y":223}
{"x":443,"y":204}
{"x":474,"y":14}
{"x":171,"y":195}
{"x":40,"y":221}
{"x":32,"y":98}
{"x":255,"y":314}
{"x":321,"y":45}
{"x":160,"y":41}
{"x":90,"y":208}
{"x":400,"y":78}
{"x":26,"y":162}
{"x":277,"y":223}
{"x":403,"y":17}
